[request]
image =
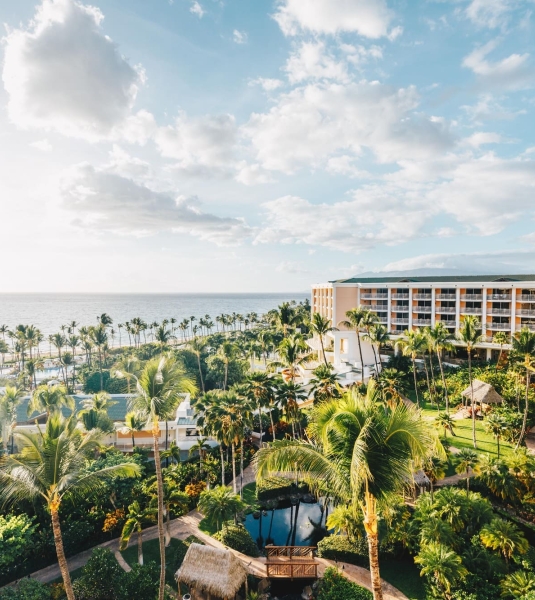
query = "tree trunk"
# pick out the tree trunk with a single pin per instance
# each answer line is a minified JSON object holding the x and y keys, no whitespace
{"x":525,"y":419}
{"x":474,"y":441}
{"x":260,"y":421}
{"x":443,"y":383}
{"x":427,"y":377}
{"x":241,"y":468}
{"x":139,"y":545}
{"x":361,"y":359}
{"x":167,"y":526}
{"x":226,"y":376}
{"x":200,"y":371}
{"x":323,"y":351}
{"x":272,"y":424}
{"x":370,"y":525}
{"x":62,"y":561}
{"x":234,"y":467}
{"x":222,"y":465}
{"x":415,"y":382}
{"x":375,"y":361}
{"x":158,"y":465}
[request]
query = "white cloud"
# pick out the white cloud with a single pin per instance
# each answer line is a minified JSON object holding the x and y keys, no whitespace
{"x":369,"y":18}
{"x":513,"y":72}
{"x":62,"y":73}
{"x":126,"y":165}
{"x":239,"y":37}
{"x":310,"y":124}
{"x":310,"y":61}
{"x":43,"y":145}
{"x":482,"y":138}
{"x":489,"y":13}
{"x":357,"y":55}
{"x":197,"y":9}
{"x":269,"y":85}
{"x":106,"y":202}
{"x":346,"y":165}
{"x":200,"y":144}
{"x":252,"y":174}
{"x":487,"y":108}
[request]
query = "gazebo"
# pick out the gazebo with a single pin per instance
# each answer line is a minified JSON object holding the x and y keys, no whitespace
{"x":484,"y":393}
{"x":213,"y":572}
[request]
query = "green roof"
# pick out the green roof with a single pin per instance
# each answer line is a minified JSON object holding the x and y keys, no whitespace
{"x":439,"y":279}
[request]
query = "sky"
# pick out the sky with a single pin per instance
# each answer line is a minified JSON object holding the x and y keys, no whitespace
{"x":262,"y":145}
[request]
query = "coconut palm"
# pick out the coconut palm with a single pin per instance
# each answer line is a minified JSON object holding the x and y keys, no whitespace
{"x":325,"y":384}
{"x":258,"y":388}
{"x":466,"y":461}
{"x":135,"y":519}
{"x":132,"y":423}
{"x":99,"y":337}
{"x":518,"y":584}
{"x":470,"y":335}
{"x":377,"y":335}
{"x":173,"y":453}
{"x":197,"y":346}
{"x":505,"y":537}
{"x":200,"y":446}
{"x":163,"y":336}
{"x":411,"y":345}
{"x":226,"y":352}
{"x":220,"y":505}
{"x":361,"y":451}
{"x":435,"y":469}
{"x":441,"y":340}
{"x":445,"y":421}
{"x":285,"y":317}
{"x":127,"y":367}
{"x":496,"y":425}
{"x":49,"y":399}
{"x":158,"y":392}
{"x":4,"y":349}
{"x":501,"y":338}
{"x":99,"y":402}
{"x":292,"y":353}
{"x":51,"y":467}
{"x":320,"y":326}
{"x":524,"y":345}
{"x":443,"y":565}
{"x":356,"y":317}
{"x":10,"y":399}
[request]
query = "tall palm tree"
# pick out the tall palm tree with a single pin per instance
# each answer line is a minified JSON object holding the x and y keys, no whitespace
{"x":360,"y":450}
{"x":4,"y":349}
{"x":411,"y":345}
{"x":163,"y":336}
{"x":470,"y":334}
{"x":258,"y":388}
{"x":377,"y":335}
{"x":355,"y":319}
{"x":132,"y":423}
{"x":466,"y":461}
{"x":52,"y":468}
{"x":226,"y":352}
{"x":441,"y":340}
{"x":501,"y":338}
{"x":200,"y":446}
{"x":99,"y":337}
{"x":9,"y":401}
{"x":445,"y":422}
{"x":127,"y":367}
{"x":292,"y":353}
{"x":320,"y":326}
{"x":325,"y":384}
{"x":49,"y":399}
{"x":443,"y":565}
{"x":135,"y":519}
{"x":496,"y":425}
{"x":158,"y":392}
{"x":524,"y":345}
{"x":197,"y":346}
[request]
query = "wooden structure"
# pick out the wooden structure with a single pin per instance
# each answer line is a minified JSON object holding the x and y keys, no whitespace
{"x":292,"y":562}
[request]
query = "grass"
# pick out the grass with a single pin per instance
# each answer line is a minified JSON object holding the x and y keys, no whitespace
{"x":404,"y":575}
{"x":74,"y":575}
{"x":151,"y":552}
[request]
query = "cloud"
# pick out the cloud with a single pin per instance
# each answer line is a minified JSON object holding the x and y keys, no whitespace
{"x":310,"y":124}
{"x":252,"y":174}
{"x":239,"y":37}
{"x":43,"y":145}
{"x":310,"y":61}
{"x":346,"y":165}
{"x":513,"y":72}
{"x":487,"y":108}
{"x":197,"y":9}
{"x":126,"y":165}
{"x":63,"y":73}
{"x":369,"y":18}
{"x":199,"y":145}
{"x":107,"y":202}
{"x":293,"y":267}
{"x":490,"y":13}
{"x":269,"y":85}
{"x":482,"y":138}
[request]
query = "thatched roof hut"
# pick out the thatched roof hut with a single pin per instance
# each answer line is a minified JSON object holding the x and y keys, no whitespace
{"x":484,"y":393}
{"x":212,"y":570}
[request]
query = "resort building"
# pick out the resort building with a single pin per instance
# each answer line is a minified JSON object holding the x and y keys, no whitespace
{"x":501,"y":302}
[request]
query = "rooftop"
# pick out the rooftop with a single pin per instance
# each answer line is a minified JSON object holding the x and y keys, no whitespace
{"x":440,"y":278}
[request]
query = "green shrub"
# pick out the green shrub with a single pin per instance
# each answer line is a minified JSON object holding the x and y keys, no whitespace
{"x":340,"y":548}
{"x":27,"y":589}
{"x":238,"y":538}
{"x":16,"y":533}
{"x":274,"y":487}
{"x":141,"y":582}
{"x":101,"y":577}
{"x":334,"y":586}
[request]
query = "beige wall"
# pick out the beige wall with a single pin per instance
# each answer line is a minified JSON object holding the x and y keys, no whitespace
{"x":346,"y":299}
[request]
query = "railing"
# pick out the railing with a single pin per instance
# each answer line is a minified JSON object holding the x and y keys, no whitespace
{"x":400,"y":296}
{"x":472,"y":297}
{"x":422,"y":322}
{"x":374,"y":296}
{"x":526,"y":312}
{"x":378,"y":307}
{"x":506,"y":297}
{"x":527,"y":298}
{"x":290,"y":551}
{"x":447,"y":323}
{"x":446,"y":296}
{"x":397,"y":308}
{"x":499,"y":326}
{"x":422,"y":309}
{"x":499,"y":311}
{"x":422,"y":296}
{"x":400,"y":321}
{"x":292,"y":570}
{"x":446,"y":309}
{"x":471,"y":311}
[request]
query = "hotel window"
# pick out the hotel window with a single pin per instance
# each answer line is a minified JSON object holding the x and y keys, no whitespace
{"x":343,"y":345}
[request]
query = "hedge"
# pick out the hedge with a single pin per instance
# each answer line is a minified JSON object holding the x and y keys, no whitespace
{"x":274,"y":487}
{"x":334,"y":586}
{"x":238,"y":538}
{"x":340,"y":548}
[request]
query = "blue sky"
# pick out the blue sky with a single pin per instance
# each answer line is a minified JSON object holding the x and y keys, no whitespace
{"x":240,"y":145}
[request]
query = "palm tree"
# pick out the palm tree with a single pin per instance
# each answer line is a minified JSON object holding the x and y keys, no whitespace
{"x":524,"y":345}
{"x":285,"y":317}
{"x":470,"y":335}
{"x":441,"y":340}
{"x":355,"y":319}
{"x":443,"y":565}
{"x":226,"y":352}
{"x":377,"y":335}
{"x":200,"y":446}
{"x":497,"y":426}
{"x":501,"y":338}
{"x":197,"y":346}
{"x":325,"y":384}
{"x":9,"y":400}
{"x":158,"y":392}
{"x":435,"y":469}
{"x":220,"y":505}
{"x":127,"y":367}
{"x":49,"y":399}
{"x":445,"y":421}
{"x":360,"y":450}
{"x":105,"y":319}
{"x":258,"y":388}
{"x":99,"y":402}
{"x":466,"y":460}
{"x":99,"y":337}
{"x":163,"y":336}
{"x":173,"y":453}
{"x":4,"y":349}
{"x":132,"y":423}
{"x":411,"y":345}
{"x":321,"y":326}
{"x":52,"y":467}
{"x":289,"y":395}
{"x":518,"y":584}
{"x":292,"y":353}
{"x":505,"y":537}
{"x":134,"y":522}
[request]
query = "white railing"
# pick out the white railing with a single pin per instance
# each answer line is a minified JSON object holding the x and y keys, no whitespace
{"x":422,"y":322}
{"x":400,"y":321}
{"x":422,"y":309}
{"x":421,"y":296}
{"x":527,"y":297}
{"x":447,"y":323}
{"x":506,"y":297}
{"x":472,"y":297}
{"x":499,"y":311}
{"x":397,"y":308}
{"x":400,"y":296}
{"x":378,"y":307}
{"x":374,"y":296}
{"x":499,"y":326}
{"x":446,"y":309}
{"x":446,"y":296}
{"x":526,"y":312}
{"x":471,"y":311}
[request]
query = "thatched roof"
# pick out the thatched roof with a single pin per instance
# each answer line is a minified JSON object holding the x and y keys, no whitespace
{"x":212,"y":570}
{"x":484,"y":393}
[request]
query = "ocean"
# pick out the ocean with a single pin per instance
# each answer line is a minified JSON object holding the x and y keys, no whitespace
{"x":49,"y":312}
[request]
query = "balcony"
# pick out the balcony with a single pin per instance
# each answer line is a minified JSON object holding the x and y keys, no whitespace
{"x":374,"y":296}
{"x":397,"y":308}
{"x":421,"y":296}
{"x":378,"y":307}
{"x":397,"y":321}
{"x":499,"y":326}
{"x":400,"y":296}
{"x":506,"y":297}
{"x":472,"y":297}
{"x":422,"y":309}
{"x":421,"y":322}
{"x":524,"y":312}
{"x":450,"y":324}
{"x":471,"y":311}
{"x":530,"y":326}
{"x":446,"y":296}
{"x":498,"y":311}
{"x":446,"y":309}
{"x":527,"y":298}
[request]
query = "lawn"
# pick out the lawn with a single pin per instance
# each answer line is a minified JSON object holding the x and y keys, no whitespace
{"x":403,"y":575}
{"x":151,"y":552}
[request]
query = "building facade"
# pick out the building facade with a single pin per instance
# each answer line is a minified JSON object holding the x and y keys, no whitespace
{"x":501,"y":302}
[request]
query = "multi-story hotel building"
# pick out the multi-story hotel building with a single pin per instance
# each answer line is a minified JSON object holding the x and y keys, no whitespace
{"x":501,"y":302}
